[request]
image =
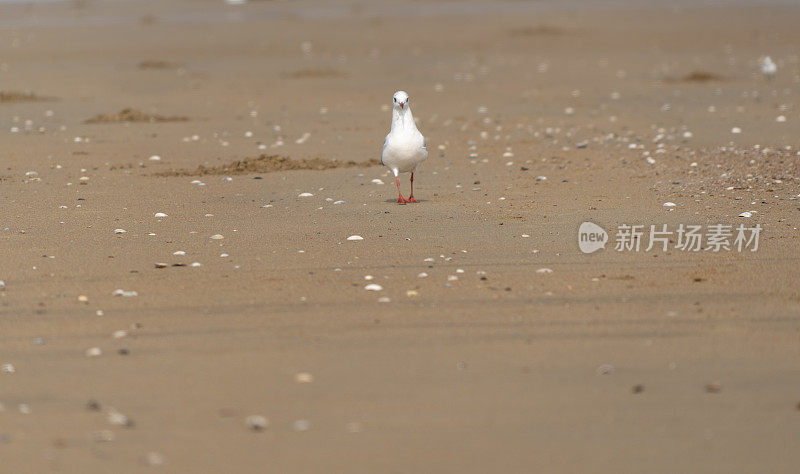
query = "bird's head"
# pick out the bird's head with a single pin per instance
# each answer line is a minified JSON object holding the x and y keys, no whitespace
{"x":400,"y":99}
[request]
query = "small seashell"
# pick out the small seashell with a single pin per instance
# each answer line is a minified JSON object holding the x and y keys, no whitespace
{"x":120,"y":231}
{"x":8,"y":368}
{"x":373,"y":287}
{"x":605,"y":369}
{"x":154,"y":458}
{"x":196,"y":264}
{"x":422,"y":275}
{"x":155,"y":158}
{"x":384,"y":299}
{"x":303,"y":377}
{"x":94,"y":352}
{"x":217,"y":237}
{"x":355,"y":237}
{"x":746,"y":214}
{"x":159,"y":214}
{"x":83,"y":299}
{"x":669,"y":204}
{"x":2,"y":285}
{"x":301,"y":425}
{"x":411,"y":293}
{"x":544,"y":270}
{"x":303,"y":139}
{"x":256,"y":422}
{"x":179,"y":252}
{"x":303,"y":195}
{"x":121,"y":292}
{"x":161,"y":265}
{"x":116,"y":418}
{"x":377,"y":181}
{"x":119,"y":334}
{"x":736,"y":130}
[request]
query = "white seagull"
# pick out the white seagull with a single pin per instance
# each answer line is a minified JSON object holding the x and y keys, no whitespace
{"x":404,"y":148}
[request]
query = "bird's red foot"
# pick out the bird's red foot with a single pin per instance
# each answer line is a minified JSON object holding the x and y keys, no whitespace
{"x":411,"y":199}
{"x":402,"y":200}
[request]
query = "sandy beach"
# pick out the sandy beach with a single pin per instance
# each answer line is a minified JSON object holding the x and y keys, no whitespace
{"x":180,"y":178}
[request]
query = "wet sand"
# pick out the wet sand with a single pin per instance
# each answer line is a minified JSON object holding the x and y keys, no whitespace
{"x":610,"y":362}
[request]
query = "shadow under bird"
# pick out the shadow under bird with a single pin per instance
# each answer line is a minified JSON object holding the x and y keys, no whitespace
{"x":404,"y":147}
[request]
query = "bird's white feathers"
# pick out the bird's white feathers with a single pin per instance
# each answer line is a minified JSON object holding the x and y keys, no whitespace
{"x":404,"y":147}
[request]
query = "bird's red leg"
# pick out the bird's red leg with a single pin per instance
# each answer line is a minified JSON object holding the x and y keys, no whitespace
{"x":400,"y":198}
{"x":411,"y":197}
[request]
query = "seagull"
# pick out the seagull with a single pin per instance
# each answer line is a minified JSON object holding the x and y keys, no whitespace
{"x":404,"y":147}
{"x":768,"y":68}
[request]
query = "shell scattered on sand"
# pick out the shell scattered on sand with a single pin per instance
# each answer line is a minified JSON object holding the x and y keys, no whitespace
{"x":94,"y":352}
{"x":303,"y":377}
{"x":256,"y":422}
{"x":373,"y":287}
{"x":126,"y":293}
{"x":355,"y":237}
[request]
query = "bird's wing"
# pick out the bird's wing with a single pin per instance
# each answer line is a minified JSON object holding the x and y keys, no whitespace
{"x":385,"y":140}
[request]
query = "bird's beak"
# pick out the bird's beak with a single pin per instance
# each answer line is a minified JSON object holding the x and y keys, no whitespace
{"x":402,"y":104}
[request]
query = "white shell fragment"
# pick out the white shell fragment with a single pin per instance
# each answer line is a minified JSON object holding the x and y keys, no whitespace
{"x":217,"y":237}
{"x":373,"y":287}
{"x":304,"y":195}
{"x":116,"y":418}
{"x":256,"y":422}
{"x":303,"y":377}
{"x":544,"y":270}
{"x":120,"y":231}
{"x":355,"y":237}
{"x":746,"y":214}
{"x":94,"y":352}
{"x":669,"y":204}
{"x":121,"y":292}
{"x":159,"y":214}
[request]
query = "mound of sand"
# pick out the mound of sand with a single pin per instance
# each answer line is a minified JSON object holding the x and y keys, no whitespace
{"x":10,"y":96}
{"x":157,"y":64}
{"x":133,"y":115}
{"x":269,"y":164}
{"x":698,"y":76}
{"x":316,"y":73}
